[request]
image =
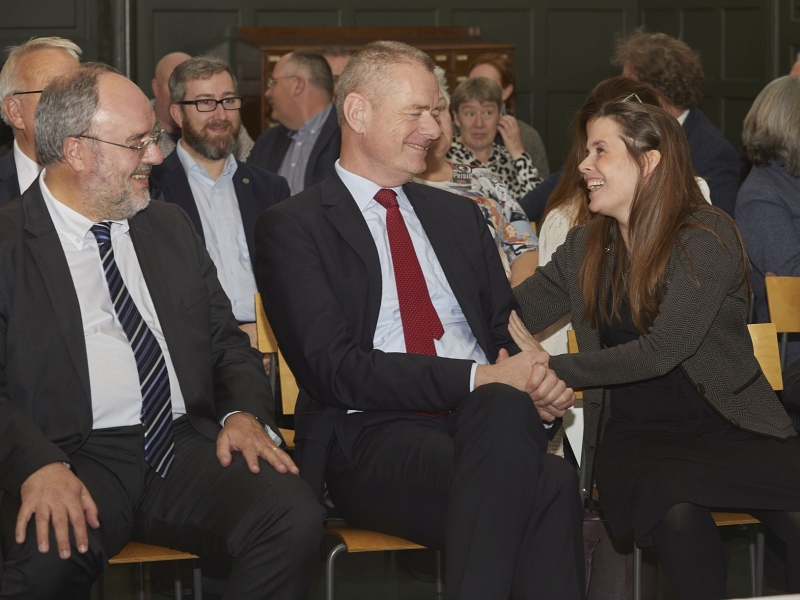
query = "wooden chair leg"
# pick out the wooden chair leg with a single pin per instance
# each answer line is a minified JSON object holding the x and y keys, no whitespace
{"x":329,"y":569}
{"x":637,"y":572}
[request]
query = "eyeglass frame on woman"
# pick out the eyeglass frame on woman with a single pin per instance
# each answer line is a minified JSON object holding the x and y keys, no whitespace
{"x":141,"y":150}
{"x":216,"y":103}
{"x":271,"y":81}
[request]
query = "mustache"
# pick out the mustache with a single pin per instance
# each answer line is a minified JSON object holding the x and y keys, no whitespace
{"x":143,"y":170}
{"x":218,"y":123}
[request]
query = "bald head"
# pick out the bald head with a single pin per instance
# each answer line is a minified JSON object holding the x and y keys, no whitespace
{"x":160,"y":84}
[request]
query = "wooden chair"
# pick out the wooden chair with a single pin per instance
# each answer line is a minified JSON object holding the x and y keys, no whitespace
{"x":139,"y":554}
{"x":765,"y":349}
{"x":353,"y":540}
{"x":783,"y":300}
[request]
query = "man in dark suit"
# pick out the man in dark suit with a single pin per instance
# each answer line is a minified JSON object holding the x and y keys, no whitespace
{"x":222,"y":196}
{"x":304,"y":147}
{"x":130,"y":400}
{"x":391,"y":306}
{"x":28,"y":68}
{"x":674,"y":70}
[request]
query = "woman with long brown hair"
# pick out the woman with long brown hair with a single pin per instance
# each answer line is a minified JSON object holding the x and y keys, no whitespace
{"x":679,"y":416}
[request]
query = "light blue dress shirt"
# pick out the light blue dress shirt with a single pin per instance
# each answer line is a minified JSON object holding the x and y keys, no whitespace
{"x":295,"y":162}
{"x":224,"y":232}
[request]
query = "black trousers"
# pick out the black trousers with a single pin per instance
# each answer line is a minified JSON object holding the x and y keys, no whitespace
{"x":267,"y":525}
{"x":476,"y":482}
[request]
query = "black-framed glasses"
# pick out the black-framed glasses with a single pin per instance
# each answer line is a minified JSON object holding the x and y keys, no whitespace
{"x":210,"y":104}
{"x":141,"y":150}
{"x":31,"y":92}
{"x":271,"y":81}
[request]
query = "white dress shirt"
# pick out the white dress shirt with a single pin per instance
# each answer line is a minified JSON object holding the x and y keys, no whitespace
{"x":27,"y":170}
{"x":224,"y":232}
{"x":113,"y":377}
{"x":458,"y":340}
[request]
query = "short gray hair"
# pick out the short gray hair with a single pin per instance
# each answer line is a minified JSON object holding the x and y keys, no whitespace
{"x":366,"y":72}
{"x":772,"y":125}
{"x":481,"y":89}
{"x":9,"y":77}
{"x":66,"y":109}
{"x":192,"y":69}
{"x":319,"y":71}
{"x":441,"y":77}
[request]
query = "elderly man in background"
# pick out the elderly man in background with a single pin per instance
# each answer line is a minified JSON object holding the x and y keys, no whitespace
{"x":28,"y":69}
{"x":391,"y":306}
{"x":222,"y":196}
{"x":674,"y":70}
{"x":148,"y":417}
{"x":306,"y":144}
{"x":161,"y":105}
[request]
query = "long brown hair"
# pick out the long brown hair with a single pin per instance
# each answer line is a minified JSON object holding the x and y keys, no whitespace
{"x":571,"y":194}
{"x":661,"y":205}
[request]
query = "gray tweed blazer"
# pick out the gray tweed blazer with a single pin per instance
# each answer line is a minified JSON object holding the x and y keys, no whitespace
{"x":701,"y":327}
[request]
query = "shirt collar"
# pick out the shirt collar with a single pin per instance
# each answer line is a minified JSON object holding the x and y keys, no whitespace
{"x":190,"y":164}
{"x":27,"y":170}
{"x":69,"y":223}
{"x":682,"y":118}
{"x":363,"y":190}
{"x":314,"y":124}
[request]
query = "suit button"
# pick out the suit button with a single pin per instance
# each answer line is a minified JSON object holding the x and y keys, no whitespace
{"x":78,"y":438}
{"x":701,"y":389}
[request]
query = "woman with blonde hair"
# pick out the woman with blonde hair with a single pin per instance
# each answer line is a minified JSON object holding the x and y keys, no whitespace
{"x":679,"y":416}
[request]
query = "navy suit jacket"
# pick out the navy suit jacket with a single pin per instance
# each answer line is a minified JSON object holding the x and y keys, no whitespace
{"x":9,"y":183}
{"x":714,"y":159}
{"x":256,"y":191}
{"x":272,"y":145}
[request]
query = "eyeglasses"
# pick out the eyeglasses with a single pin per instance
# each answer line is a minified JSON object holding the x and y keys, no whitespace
{"x":271,"y":81}
{"x":153,"y":140}
{"x":210,"y":105}
{"x":23,"y":93}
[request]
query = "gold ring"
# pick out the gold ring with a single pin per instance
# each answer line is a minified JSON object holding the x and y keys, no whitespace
{"x":274,"y":448}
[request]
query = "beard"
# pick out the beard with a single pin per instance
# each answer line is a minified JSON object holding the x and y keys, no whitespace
{"x":207,"y":144}
{"x":110,"y":203}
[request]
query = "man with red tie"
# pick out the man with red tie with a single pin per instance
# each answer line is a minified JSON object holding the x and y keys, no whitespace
{"x":391,"y":306}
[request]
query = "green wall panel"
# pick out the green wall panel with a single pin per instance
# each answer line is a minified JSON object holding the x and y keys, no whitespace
{"x":298,"y":18}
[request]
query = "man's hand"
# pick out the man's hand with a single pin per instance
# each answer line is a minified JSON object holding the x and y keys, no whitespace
{"x":56,"y":496}
{"x":512,"y":370}
{"x":550,"y":395}
{"x":243,"y":433}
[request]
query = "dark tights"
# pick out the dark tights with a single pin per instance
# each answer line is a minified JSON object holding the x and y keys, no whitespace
{"x":690,"y":549}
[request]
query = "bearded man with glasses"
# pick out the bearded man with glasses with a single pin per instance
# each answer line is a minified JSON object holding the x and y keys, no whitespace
{"x":222,"y":196}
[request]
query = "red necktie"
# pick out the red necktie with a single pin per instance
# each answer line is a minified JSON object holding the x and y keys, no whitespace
{"x":421,"y":324}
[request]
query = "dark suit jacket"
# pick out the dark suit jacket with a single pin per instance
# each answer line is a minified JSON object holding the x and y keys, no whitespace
{"x":272,"y":145}
{"x":45,"y":402}
{"x":256,"y":191}
{"x":714,"y":159}
{"x":701,"y":328}
{"x":9,"y":183}
{"x":320,"y":278}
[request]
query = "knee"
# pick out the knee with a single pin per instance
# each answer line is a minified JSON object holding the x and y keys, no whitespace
{"x":563,"y":475}
{"x":502,"y":412}
{"x":32,"y":574}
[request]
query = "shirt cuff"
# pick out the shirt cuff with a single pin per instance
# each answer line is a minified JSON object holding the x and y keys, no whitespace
{"x":472,"y":377}
{"x":272,"y":435}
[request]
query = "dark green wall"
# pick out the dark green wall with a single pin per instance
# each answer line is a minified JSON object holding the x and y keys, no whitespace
{"x":562,"y":46}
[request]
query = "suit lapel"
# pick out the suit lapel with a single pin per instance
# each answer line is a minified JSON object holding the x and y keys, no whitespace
{"x":438,"y":228}
{"x":343,"y":213}
{"x":278,"y":150}
{"x":45,"y":246}
{"x":245,"y":196}
{"x":177,"y":189}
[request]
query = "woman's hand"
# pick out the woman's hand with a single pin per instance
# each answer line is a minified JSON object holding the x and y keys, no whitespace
{"x":521,"y":336}
{"x":512,"y":138}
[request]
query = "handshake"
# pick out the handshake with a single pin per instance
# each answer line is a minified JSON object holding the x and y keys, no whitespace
{"x":529,"y":371}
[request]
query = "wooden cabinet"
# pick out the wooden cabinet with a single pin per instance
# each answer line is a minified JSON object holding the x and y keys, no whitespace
{"x":452,"y":48}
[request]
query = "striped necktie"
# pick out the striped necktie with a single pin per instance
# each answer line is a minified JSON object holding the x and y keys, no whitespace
{"x":156,"y":414}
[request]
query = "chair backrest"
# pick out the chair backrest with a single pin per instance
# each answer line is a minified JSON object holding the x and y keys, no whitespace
{"x":268,"y":344}
{"x":572,"y":346}
{"x":783,"y":299}
{"x":765,"y":349}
